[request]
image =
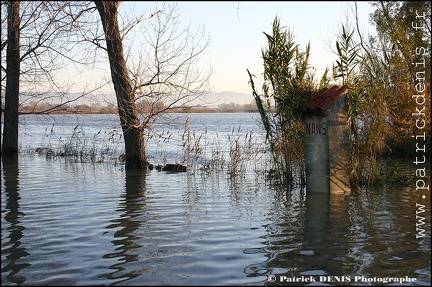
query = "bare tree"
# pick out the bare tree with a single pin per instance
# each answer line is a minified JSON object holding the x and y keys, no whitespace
{"x":165,"y":72}
{"x":10,"y":134}
{"x":49,"y":42}
{"x":39,"y":42}
{"x":162,"y":77}
{"x":132,"y":130}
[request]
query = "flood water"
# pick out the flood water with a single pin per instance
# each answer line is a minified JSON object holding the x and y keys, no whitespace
{"x":74,"y":221}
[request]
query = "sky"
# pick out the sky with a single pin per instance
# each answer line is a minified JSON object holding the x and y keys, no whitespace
{"x":236,"y":31}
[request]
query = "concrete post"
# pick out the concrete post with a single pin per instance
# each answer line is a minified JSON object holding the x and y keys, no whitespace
{"x":316,"y":151}
{"x":339,"y":147}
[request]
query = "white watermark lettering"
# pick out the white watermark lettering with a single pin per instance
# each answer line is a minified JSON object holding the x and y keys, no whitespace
{"x":420,"y":119}
{"x":339,"y":279}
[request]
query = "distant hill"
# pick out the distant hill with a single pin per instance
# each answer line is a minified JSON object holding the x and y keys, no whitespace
{"x":226,"y":97}
{"x":212,"y":99}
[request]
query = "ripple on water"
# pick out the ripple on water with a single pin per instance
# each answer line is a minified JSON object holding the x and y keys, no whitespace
{"x":90,"y":224}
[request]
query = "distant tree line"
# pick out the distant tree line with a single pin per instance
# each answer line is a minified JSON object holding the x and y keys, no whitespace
{"x":41,"y":107}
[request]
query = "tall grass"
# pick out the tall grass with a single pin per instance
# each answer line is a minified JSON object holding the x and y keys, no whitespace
{"x":101,"y":146}
{"x":288,"y":85}
{"x":235,"y":153}
{"x":367,"y":110}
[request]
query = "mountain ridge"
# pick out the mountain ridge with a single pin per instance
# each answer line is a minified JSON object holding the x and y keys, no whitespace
{"x":227,"y":97}
{"x":211,"y":99}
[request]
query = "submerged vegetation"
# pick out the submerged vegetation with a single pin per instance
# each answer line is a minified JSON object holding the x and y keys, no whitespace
{"x":237,"y":153}
{"x":382,"y":82}
{"x":81,"y":147}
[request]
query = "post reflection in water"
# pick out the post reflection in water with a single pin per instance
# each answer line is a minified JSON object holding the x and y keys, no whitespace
{"x":315,"y":232}
{"x":304,"y":242}
{"x":131,"y":206}
{"x":326,"y":223}
{"x":13,"y":250}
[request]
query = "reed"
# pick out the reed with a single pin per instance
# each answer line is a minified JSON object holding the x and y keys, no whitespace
{"x":102,"y":146}
{"x":244,"y":153}
{"x":236,"y":153}
{"x":288,"y":84}
{"x":367,"y":111}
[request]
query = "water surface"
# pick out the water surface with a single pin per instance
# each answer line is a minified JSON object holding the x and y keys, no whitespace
{"x":71,"y":222}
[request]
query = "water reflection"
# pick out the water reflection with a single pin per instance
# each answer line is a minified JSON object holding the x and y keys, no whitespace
{"x":345,"y":236}
{"x":126,"y":243}
{"x":315,"y":232}
{"x":283,"y":240}
{"x":380,"y":242}
{"x":97,"y":224}
{"x":299,"y":243}
{"x":13,"y":249}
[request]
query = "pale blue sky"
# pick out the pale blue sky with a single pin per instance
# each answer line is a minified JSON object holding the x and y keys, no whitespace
{"x":236,"y":31}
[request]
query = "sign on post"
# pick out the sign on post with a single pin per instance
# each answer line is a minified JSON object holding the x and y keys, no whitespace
{"x":316,"y":138}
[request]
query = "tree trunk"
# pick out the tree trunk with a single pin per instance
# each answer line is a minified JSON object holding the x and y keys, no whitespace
{"x":10,"y":128}
{"x":132,"y":130}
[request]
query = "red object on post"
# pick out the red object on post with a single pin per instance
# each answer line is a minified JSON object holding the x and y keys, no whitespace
{"x":323,"y":99}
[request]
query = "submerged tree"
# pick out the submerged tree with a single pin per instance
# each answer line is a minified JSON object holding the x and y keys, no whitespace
{"x":132,"y":130}
{"x":162,"y":79}
{"x":403,"y":51}
{"x":162,"y":75}
{"x":39,"y":42}
{"x":10,"y":130}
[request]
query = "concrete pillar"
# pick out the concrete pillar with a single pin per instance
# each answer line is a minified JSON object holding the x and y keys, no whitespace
{"x":339,"y":147}
{"x":316,"y":152}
